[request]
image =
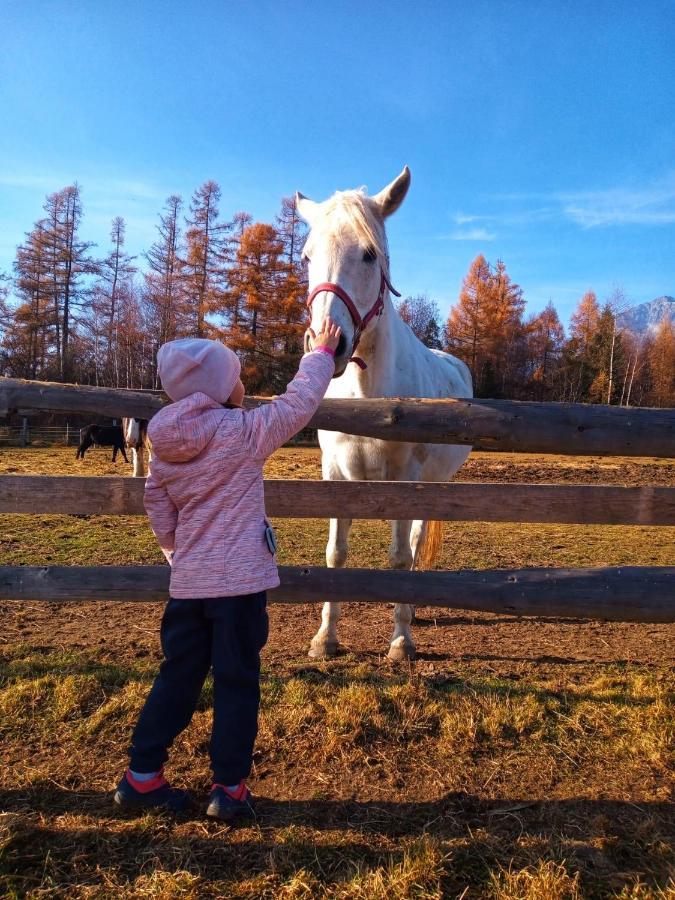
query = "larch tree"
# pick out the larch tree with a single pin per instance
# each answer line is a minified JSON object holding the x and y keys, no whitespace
{"x":504,"y":328}
{"x":662,"y":365}
{"x":206,"y":260}
{"x":292,"y":284}
{"x":485,"y":328}
{"x":545,"y":338}
{"x":163,"y":284}
{"x":32,"y":325}
{"x":67,"y":261}
{"x":115,"y":273}
{"x":258,"y":274}
{"x":465,"y":329}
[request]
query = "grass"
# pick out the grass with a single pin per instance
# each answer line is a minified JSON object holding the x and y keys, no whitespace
{"x":381,"y":784}
{"x":461,"y":778}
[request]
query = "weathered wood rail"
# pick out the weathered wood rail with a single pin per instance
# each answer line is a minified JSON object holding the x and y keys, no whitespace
{"x":458,"y":501}
{"x":567,"y":428}
{"x":630,"y":594}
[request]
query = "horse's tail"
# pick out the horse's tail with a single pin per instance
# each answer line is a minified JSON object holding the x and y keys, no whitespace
{"x":428,"y":551}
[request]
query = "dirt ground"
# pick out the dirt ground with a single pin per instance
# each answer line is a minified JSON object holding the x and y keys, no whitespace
{"x":516,"y":758}
{"x":500,"y":643}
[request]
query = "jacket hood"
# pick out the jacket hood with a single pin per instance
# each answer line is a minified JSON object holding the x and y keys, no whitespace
{"x":181,"y":431}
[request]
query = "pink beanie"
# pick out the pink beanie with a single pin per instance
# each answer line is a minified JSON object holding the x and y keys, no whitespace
{"x":189,"y":365}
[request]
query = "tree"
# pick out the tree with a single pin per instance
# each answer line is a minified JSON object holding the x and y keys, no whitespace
{"x":66,"y":262}
{"x":163,"y":279}
{"x":545,"y":337}
{"x":578,"y":366}
{"x":422,"y":315}
{"x":465,"y":329}
{"x":485,"y":328}
{"x":292,"y":283}
{"x":257,"y":277}
{"x":505,"y":334}
{"x":206,"y":260}
{"x":661,"y":357}
{"x":29,"y":332}
{"x":113,"y":283}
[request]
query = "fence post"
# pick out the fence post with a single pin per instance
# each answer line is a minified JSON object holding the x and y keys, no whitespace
{"x":23,"y":440}
{"x":67,"y":434}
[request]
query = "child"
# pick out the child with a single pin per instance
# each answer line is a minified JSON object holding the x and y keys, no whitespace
{"x":205,"y":501}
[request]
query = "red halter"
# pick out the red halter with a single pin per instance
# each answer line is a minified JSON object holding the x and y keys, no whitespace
{"x":359,"y":322}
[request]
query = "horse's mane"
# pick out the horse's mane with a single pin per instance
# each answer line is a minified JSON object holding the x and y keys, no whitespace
{"x":349,"y":213}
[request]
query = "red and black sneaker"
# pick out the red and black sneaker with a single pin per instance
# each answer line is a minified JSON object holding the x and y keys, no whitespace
{"x":156,"y":793}
{"x":227,"y":805}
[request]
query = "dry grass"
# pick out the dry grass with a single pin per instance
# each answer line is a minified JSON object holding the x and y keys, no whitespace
{"x":540,"y":782}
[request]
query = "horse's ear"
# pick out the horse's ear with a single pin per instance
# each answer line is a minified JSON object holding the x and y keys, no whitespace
{"x":390,"y":198}
{"x":306,"y":207}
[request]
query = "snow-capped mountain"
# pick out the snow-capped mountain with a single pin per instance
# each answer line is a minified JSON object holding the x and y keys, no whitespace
{"x":647,"y":316}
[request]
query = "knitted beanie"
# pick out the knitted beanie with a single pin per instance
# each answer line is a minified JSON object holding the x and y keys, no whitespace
{"x":189,"y":365}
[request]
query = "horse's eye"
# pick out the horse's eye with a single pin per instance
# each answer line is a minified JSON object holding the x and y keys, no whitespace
{"x":369,"y":255}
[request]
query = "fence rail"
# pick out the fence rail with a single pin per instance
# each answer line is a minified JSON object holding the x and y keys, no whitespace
{"x":458,"y":501}
{"x":562,"y":428}
{"x":630,"y":594}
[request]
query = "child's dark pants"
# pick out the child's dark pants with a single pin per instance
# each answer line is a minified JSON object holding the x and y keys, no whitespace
{"x":225,"y":634}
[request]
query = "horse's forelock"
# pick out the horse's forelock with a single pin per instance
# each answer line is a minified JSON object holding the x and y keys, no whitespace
{"x":349,"y":214}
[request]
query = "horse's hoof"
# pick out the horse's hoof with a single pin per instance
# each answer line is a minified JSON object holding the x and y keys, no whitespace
{"x":323,"y":650}
{"x":401,"y":652}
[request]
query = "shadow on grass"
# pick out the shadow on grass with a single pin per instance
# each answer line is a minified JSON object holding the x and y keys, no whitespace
{"x":607,"y":840}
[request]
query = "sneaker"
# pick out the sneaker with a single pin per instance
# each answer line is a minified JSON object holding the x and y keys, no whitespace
{"x":154,"y":794}
{"x":227,"y":805}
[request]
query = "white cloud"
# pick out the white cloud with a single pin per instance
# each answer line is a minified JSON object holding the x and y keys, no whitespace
{"x":651,"y":205}
{"x":472,"y":234}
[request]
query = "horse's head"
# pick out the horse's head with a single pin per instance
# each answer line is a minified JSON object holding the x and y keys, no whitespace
{"x":348,"y":261}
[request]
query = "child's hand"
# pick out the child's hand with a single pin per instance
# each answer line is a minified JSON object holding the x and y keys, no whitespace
{"x":329,"y":336}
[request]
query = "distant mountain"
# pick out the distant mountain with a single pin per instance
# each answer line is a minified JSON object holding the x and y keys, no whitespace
{"x":647,"y":316}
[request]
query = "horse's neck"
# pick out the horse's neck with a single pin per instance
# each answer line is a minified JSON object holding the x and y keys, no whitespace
{"x":381,"y":345}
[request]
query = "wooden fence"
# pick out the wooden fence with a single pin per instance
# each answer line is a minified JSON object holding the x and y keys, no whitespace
{"x":644,"y":594}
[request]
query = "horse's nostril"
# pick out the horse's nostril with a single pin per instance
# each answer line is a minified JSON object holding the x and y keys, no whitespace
{"x":342,"y":346}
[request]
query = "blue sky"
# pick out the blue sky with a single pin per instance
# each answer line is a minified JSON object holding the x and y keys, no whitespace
{"x":539,"y":132}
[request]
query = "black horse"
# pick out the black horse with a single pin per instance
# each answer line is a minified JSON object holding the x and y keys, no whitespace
{"x":101,"y":436}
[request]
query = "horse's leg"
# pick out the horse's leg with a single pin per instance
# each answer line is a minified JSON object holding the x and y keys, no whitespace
{"x":400,"y":557}
{"x":139,"y":468}
{"x":325,"y":641}
{"x":114,"y":452}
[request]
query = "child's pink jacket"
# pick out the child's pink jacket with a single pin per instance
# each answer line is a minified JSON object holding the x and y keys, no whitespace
{"x":204,"y":495}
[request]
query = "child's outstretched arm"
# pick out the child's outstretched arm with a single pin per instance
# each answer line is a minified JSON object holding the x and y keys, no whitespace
{"x":162,"y":513}
{"x":269,"y":427}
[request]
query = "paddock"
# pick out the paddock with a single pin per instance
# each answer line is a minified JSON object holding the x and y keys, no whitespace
{"x":630,"y":593}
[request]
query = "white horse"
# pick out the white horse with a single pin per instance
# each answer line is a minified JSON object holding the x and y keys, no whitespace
{"x":348,"y":264}
{"x":136,"y":437}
